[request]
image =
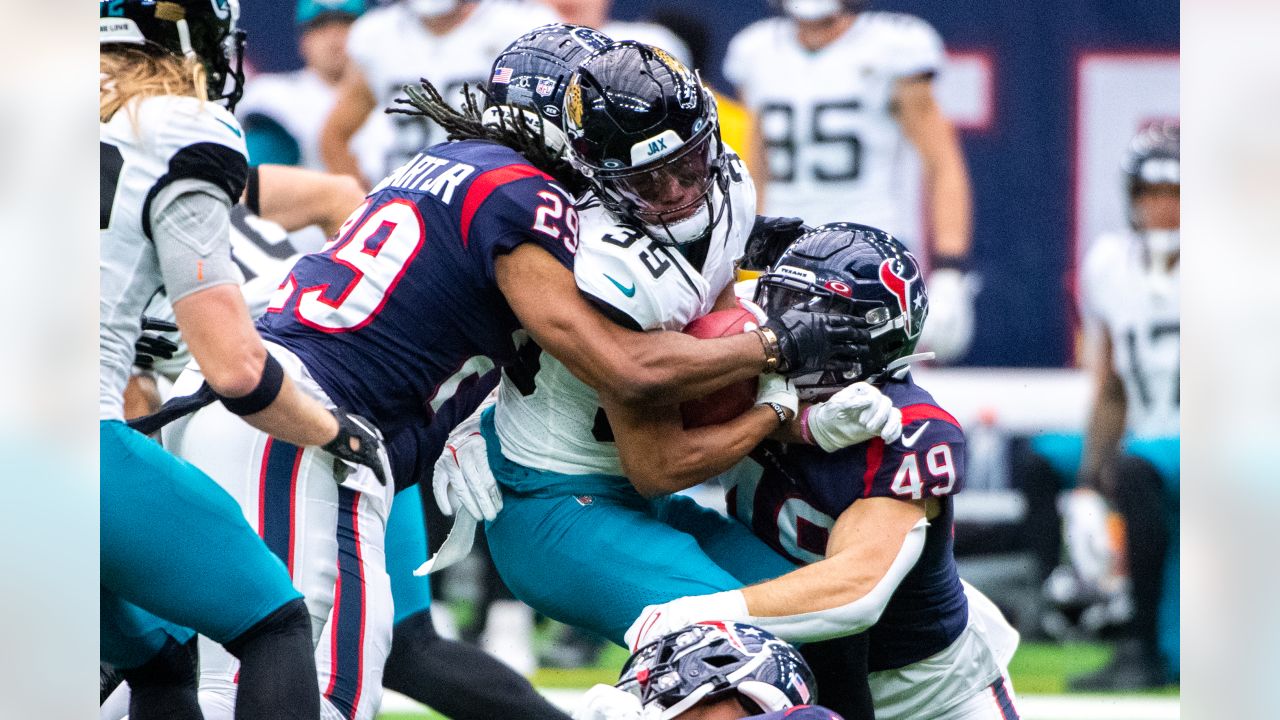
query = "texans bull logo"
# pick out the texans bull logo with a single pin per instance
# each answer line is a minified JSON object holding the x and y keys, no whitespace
{"x":899,"y":278}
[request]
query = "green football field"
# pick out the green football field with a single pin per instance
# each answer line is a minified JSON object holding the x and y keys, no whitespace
{"x":1038,"y":669}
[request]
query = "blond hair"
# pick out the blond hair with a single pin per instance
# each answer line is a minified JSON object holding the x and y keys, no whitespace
{"x":128,"y":73}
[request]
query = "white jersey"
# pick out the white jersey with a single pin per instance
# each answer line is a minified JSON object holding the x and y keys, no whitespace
{"x":1139,"y":308}
{"x":559,"y":425}
{"x":300,"y":103}
{"x":174,"y":138}
{"x":833,"y":147}
{"x":392,"y":48}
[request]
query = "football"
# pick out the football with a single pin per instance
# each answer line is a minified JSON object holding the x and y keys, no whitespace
{"x":729,"y":401}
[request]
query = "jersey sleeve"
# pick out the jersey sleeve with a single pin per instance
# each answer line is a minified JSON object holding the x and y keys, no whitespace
{"x":362,"y":40}
{"x":508,"y":207}
{"x":606,"y":272}
{"x":918,"y":47}
{"x":926,"y":462}
{"x":737,"y":58}
{"x":202,"y":142}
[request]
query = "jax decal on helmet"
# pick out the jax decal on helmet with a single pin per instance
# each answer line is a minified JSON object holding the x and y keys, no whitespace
{"x":202,"y":29}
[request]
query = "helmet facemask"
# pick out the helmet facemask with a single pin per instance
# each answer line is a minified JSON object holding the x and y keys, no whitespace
{"x":678,"y":198}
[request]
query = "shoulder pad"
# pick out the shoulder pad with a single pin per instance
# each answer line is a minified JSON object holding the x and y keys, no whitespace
{"x":917,"y":46}
{"x":608,"y":269}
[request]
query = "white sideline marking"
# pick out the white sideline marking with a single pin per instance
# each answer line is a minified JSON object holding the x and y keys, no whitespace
{"x":1031,"y":707}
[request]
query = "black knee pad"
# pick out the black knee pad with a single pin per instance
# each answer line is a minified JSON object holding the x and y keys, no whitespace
{"x":291,"y":618}
{"x":174,"y":664}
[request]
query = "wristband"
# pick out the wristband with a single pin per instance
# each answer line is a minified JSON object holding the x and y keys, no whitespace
{"x":772,"y":351}
{"x":261,"y":396}
{"x":805,"y":435}
{"x":251,"y":191}
{"x":779,"y":410}
{"x":949,"y":262}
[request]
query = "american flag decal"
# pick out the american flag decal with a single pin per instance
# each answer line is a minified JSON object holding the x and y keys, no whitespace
{"x":502,"y":75}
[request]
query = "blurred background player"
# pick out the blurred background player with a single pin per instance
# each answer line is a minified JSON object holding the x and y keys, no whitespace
{"x":596,"y":14}
{"x":1130,"y":290}
{"x":282,"y":113}
{"x":840,"y":94}
{"x":450,"y":41}
{"x":872,"y":522}
{"x":172,"y":545}
{"x":709,"y":671}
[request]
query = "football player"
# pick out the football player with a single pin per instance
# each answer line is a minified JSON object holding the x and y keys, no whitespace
{"x":451,"y":41}
{"x":579,"y":467}
{"x":839,"y":92}
{"x":1130,"y":290}
{"x":429,"y":286}
{"x":710,"y":671}
{"x":872,"y":522}
{"x":173,"y":545}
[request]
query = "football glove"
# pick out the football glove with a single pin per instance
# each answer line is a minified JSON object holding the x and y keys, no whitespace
{"x":810,"y":341}
{"x":462,"y":478}
{"x":769,"y":237}
{"x":854,"y":415}
{"x":949,"y":330}
{"x":606,"y":702}
{"x":774,"y":388}
{"x":358,"y":442}
{"x":152,"y":344}
{"x":1084,"y":527}
{"x":658,"y":620}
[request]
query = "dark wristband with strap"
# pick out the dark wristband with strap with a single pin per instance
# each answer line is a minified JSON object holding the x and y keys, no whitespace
{"x":251,"y":191}
{"x":261,"y":396}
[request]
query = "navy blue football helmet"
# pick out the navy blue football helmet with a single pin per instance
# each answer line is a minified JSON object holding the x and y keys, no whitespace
{"x":644,"y":131}
{"x":532,"y":73}
{"x":710,"y":660}
{"x":853,"y":270}
{"x":203,"y":29}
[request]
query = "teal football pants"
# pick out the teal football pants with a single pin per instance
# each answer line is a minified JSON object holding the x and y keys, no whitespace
{"x":174,"y":545}
{"x":589,"y":551}
{"x":407,"y":549}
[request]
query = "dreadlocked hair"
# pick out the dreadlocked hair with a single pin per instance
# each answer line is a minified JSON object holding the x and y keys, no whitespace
{"x":511,"y":130}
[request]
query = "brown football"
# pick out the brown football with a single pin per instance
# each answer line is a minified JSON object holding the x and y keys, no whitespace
{"x":729,"y":401}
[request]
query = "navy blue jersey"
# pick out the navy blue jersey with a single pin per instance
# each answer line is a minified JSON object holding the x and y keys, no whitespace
{"x":790,"y":496}
{"x":402,"y":306}
{"x":413,"y":450}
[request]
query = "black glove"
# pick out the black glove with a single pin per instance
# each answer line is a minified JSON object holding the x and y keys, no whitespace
{"x":358,"y":442}
{"x":154,"y":346}
{"x":810,"y":341}
{"x":769,"y":238}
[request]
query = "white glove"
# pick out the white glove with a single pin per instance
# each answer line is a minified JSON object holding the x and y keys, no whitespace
{"x":1084,"y":525}
{"x":606,"y":702}
{"x":462,"y":476}
{"x":658,"y":620}
{"x":948,"y":331}
{"x":854,"y":415}
{"x":776,"y":389}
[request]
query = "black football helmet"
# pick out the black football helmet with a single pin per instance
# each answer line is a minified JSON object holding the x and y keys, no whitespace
{"x":852,"y":270}
{"x":644,"y":131}
{"x":532,"y":73}
{"x":204,"y":29}
{"x":709,"y":660}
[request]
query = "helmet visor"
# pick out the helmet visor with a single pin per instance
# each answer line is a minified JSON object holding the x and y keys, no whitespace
{"x":670,"y":190}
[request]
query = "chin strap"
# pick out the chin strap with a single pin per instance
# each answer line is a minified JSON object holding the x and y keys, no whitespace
{"x":899,"y":368}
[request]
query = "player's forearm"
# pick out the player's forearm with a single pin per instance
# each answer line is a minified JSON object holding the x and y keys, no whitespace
{"x":1104,"y":431}
{"x":950,"y":199}
{"x":295,"y":418}
{"x":297,"y":197}
{"x":681,"y":459}
{"x":677,"y":367}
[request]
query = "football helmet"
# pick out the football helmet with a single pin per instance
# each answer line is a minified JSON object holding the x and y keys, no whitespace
{"x":709,"y":660}
{"x":203,"y":29}
{"x":853,"y":270}
{"x":1152,"y":158}
{"x":643,"y":130}
{"x":531,"y":75}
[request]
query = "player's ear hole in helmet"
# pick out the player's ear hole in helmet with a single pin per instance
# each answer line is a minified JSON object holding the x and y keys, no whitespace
{"x":197,"y":30}
{"x":643,"y":128}
{"x":853,"y":270}
{"x":529,"y":78}
{"x":711,"y":660}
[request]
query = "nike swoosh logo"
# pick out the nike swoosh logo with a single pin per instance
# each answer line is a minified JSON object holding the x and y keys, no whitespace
{"x":230,"y":127}
{"x":628,"y":291}
{"x":910,"y":440}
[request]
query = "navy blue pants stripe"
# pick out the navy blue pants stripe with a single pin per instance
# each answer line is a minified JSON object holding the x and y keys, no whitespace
{"x":1007,"y":710}
{"x":276,"y":494}
{"x":347,"y":638}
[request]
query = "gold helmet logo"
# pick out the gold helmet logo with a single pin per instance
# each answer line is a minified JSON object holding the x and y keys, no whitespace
{"x":573,"y":103}
{"x":666,"y":57}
